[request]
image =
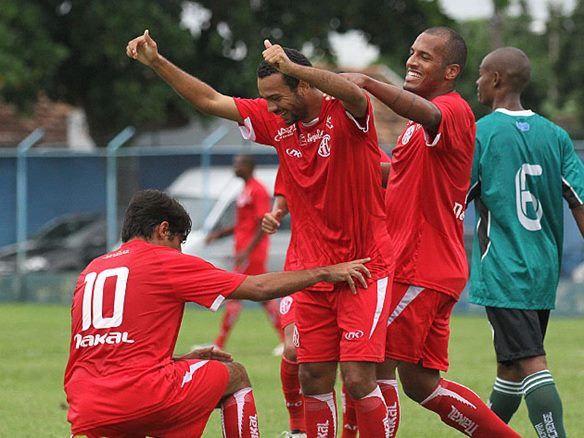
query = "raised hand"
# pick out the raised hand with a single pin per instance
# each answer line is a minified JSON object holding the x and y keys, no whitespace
{"x":276,"y":57}
{"x":347,"y":271}
{"x":271,"y":221}
{"x":143,"y":48}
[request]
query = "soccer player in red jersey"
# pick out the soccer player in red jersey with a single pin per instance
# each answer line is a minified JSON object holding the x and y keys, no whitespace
{"x":121,"y":378}
{"x":425,"y":199}
{"x":251,"y":244}
{"x":329,"y":159}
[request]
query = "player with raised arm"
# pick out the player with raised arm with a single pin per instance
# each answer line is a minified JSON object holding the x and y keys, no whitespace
{"x":425,"y":201}
{"x":122,"y":378}
{"x":524,"y":165}
{"x":329,"y":159}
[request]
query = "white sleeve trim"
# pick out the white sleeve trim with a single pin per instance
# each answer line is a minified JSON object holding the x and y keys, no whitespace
{"x":246,"y":130}
{"x":365,"y":128}
{"x":436,"y":139}
{"x":572,"y":190}
{"x":217,"y":303}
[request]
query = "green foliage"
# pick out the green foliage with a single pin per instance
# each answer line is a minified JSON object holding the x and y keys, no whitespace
{"x":34,"y":348}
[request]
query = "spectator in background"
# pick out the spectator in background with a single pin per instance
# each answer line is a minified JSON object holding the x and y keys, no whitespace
{"x":523,"y":166}
{"x":251,"y":243}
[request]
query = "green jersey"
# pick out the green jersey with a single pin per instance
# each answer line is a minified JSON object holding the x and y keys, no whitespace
{"x":523,"y":166}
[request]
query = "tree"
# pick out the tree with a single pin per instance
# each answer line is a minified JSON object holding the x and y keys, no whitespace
{"x":73,"y":50}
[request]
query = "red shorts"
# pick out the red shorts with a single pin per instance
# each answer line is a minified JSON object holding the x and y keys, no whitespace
{"x":188,"y":417}
{"x":287,"y":311}
{"x":340,"y":326}
{"x":418,"y":328}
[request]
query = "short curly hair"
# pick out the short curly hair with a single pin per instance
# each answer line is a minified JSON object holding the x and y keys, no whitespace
{"x":265,"y":69}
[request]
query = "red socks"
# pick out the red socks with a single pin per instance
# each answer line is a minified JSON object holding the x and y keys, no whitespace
{"x":320,"y":413}
{"x":372,"y":415}
{"x":349,"y":416}
{"x":462,"y":409}
{"x":230,"y":315}
{"x":292,"y":393}
{"x":239,"y":417}
{"x":391,"y":397}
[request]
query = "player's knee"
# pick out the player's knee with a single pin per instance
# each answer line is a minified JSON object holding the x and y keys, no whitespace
{"x":530,"y":365}
{"x":358,"y":385}
{"x":238,"y":378}
{"x":289,"y":351}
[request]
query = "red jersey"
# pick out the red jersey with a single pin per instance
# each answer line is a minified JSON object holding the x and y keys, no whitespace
{"x":425,"y":199}
{"x":331,"y":174}
{"x":125,"y":318}
{"x":251,"y":204}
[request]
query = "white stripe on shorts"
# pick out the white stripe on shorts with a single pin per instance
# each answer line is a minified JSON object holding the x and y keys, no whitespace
{"x":381,"y":294}
{"x":410,"y":295}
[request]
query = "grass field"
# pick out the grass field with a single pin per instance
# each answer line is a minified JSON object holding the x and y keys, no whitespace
{"x":33,"y":353}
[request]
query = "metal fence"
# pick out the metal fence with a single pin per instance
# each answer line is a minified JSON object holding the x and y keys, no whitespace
{"x":38,"y":184}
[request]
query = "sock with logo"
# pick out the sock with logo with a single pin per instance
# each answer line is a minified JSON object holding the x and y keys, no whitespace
{"x":391,"y":397}
{"x":292,"y":393}
{"x":320,"y":414}
{"x":349,"y":416}
{"x":462,"y":409}
{"x":272,"y":309}
{"x":372,"y":415}
{"x":239,"y":417}
{"x":505,"y":398}
{"x":230,"y":315}
{"x":544,"y":404}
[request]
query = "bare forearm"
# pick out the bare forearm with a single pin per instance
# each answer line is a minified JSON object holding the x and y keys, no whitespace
{"x":405,"y":103}
{"x":281,"y":204}
{"x":334,"y":85}
{"x":202,"y":96}
{"x":277,"y":284}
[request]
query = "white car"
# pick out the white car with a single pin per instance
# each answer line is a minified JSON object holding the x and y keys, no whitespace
{"x":209,"y":197}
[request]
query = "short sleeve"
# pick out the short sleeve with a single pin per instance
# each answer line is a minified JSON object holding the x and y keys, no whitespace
{"x":572,"y":173}
{"x":195,"y":280}
{"x":457,"y":125}
{"x":255,"y":115}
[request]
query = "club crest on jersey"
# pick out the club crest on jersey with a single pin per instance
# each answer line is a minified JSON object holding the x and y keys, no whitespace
{"x":324,"y":150}
{"x":406,"y":137}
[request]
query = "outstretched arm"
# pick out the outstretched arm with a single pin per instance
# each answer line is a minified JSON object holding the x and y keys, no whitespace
{"x":349,"y":94}
{"x":402,"y":102}
{"x":278,"y":284}
{"x":196,"y":92}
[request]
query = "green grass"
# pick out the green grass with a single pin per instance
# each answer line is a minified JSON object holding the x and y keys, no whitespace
{"x":33,"y":354}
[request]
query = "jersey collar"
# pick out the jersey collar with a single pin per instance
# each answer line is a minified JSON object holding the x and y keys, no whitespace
{"x":524,"y":113}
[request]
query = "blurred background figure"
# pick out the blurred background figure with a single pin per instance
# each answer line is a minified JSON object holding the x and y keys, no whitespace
{"x":251,"y":243}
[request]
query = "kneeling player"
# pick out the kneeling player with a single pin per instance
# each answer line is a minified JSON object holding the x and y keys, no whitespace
{"x":121,"y":378}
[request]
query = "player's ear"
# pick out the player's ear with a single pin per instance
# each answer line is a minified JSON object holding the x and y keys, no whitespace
{"x":162,"y":230}
{"x":452,"y":72}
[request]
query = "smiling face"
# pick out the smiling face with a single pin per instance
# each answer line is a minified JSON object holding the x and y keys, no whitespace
{"x":426,"y":68}
{"x":282,"y":100}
